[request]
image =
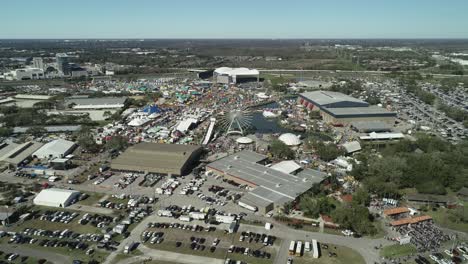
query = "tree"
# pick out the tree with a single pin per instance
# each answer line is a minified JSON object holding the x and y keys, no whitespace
{"x":107,"y":114}
{"x":117,"y":143}
{"x":280,"y":150}
{"x":355,"y":217}
{"x":5,"y":131}
{"x":36,"y":131}
{"x":86,"y":140}
{"x":362,"y":197}
{"x":313,"y":207}
{"x":327,"y":152}
{"x":314,"y":115}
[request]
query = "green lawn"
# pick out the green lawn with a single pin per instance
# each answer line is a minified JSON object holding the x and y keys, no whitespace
{"x":441,"y":217}
{"x":47,"y":225}
{"x":345,"y":255}
{"x":394,"y":251}
{"x":92,"y":199}
{"x":379,"y":226}
{"x":29,"y":260}
{"x":73,"y":253}
{"x":170,"y":238}
{"x":122,"y":256}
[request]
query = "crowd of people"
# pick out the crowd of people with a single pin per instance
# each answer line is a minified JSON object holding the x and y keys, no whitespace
{"x":424,"y":235}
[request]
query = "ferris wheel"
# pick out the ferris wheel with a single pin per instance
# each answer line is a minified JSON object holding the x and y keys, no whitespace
{"x":236,"y":121}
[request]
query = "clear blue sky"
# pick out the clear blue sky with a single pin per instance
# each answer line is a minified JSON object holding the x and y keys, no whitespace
{"x":234,"y":19}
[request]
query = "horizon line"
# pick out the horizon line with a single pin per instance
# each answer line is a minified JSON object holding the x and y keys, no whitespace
{"x":244,"y":38}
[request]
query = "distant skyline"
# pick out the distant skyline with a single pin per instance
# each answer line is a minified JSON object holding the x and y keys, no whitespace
{"x":54,"y":19}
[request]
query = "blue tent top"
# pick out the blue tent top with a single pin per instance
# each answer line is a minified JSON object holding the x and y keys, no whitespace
{"x":151,"y":109}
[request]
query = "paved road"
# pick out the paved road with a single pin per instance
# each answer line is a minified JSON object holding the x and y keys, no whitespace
{"x":39,"y":254}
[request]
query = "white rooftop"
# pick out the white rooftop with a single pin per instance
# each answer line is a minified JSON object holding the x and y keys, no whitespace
{"x":236,"y":71}
{"x":287,"y":166}
{"x":54,"y":149}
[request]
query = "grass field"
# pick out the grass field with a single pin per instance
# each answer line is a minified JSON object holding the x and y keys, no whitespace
{"x":345,"y":255}
{"x":92,"y":199}
{"x":73,"y":253}
{"x":394,"y":251}
{"x":122,"y":256}
{"x":441,"y":217}
{"x":173,"y":235}
{"x":47,"y":225}
{"x":29,"y":260}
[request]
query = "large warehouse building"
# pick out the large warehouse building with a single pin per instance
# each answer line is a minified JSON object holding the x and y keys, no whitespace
{"x":55,"y":197}
{"x":272,"y":186}
{"x":228,"y":75}
{"x":86,"y":103}
{"x":338,"y":108}
{"x":18,"y":154}
{"x":164,"y":159}
{"x":58,"y":148}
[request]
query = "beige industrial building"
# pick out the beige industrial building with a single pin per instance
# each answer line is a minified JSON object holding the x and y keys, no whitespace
{"x":357,"y":114}
{"x":341,"y":109}
{"x":165,"y":159}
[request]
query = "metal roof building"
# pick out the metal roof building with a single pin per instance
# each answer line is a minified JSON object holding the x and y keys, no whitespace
{"x":357,"y":112}
{"x":58,"y":148}
{"x":96,"y":103}
{"x":330,"y":99}
{"x":55,"y":197}
{"x":169,"y":159}
{"x":49,"y":129}
{"x":351,"y":146}
{"x":371,"y":126}
{"x":15,"y":154}
{"x":272,"y":187}
{"x":234,"y":75}
{"x":338,"y":108}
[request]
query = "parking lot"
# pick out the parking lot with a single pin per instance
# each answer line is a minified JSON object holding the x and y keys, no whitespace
{"x":211,"y":241}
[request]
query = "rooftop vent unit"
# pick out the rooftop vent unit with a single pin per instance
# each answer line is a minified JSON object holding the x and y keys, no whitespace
{"x":278,"y":185}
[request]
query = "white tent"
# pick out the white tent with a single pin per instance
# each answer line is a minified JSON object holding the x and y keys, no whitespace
{"x":55,"y":197}
{"x":290,"y":139}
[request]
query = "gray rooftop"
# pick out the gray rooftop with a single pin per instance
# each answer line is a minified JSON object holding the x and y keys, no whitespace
{"x":272,"y":185}
{"x":328,"y":98}
{"x":371,"y":126}
{"x":20,"y":152}
{"x":358,"y":111}
{"x":49,"y":129}
{"x":96,"y":101}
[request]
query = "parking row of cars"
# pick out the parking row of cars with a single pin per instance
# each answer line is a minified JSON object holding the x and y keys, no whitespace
{"x":56,"y":216}
{"x":62,"y":234}
{"x":99,"y":221}
{"x":25,"y":238}
{"x":251,"y":237}
{"x":126,"y":180}
{"x":249,"y":252}
{"x":193,"y":228}
{"x":152,"y":236}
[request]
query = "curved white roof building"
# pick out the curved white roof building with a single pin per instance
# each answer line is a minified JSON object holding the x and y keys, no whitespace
{"x":244,"y":140}
{"x":290,"y":139}
{"x":55,"y":197}
{"x":234,"y":75}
